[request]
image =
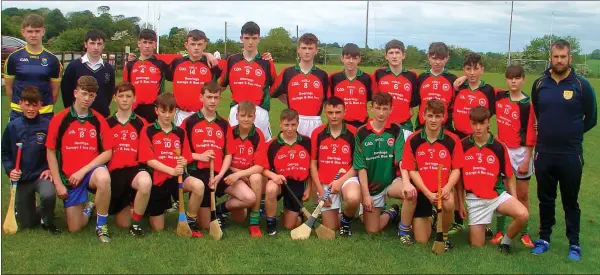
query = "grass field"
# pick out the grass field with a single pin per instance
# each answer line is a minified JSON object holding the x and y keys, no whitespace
{"x":594,"y":65}
{"x":34,"y":251}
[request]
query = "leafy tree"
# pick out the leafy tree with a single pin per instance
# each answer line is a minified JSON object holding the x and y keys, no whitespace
{"x":55,"y":23}
{"x":69,"y":40}
{"x":279,"y":43}
{"x":595,"y":54}
{"x":539,"y":48}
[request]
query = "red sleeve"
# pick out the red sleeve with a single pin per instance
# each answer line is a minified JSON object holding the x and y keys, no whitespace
{"x":105,"y":132}
{"x":273,"y":71}
{"x":374,"y":84}
{"x":331,"y":88}
{"x":265,"y":159}
{"x":369,"y":86}
{"x":458,"y":155}
{"x":230,"y":148}
{"x":53,"y":131}
{"x":260,"y":156}
{"x":145,"y":154}
{"x":125,"y":73}
{"x":530,"y":135}
{"x":225,"y":73}
{"x":408,"y":157}
{"x":313,"y":147}
{"x":279,"y":87}
{"x":186,"y":152}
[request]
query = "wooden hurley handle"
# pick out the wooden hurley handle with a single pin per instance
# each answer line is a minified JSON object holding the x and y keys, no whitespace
{"x":439,"y":191}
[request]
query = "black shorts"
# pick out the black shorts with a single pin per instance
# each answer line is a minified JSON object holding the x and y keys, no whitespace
{"x":204,"y":176}
{"x":289,"y":202}
{"x":146,"y":111}
{"x":424,"y":207}
{"x":356,"y":123}
{"x":160,"y":197}
{"x":122,"y":193}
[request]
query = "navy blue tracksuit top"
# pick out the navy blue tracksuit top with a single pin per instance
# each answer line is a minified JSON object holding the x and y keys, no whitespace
{"x":32,"y":133}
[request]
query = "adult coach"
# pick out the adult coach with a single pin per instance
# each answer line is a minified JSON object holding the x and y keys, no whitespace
{"x":93,"y":65}
{"x":561,"y":97}
{"x":32,"y":65}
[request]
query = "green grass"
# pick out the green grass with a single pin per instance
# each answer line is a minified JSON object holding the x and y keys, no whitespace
{"x":34,"y":251}
{"x":594,"y":65}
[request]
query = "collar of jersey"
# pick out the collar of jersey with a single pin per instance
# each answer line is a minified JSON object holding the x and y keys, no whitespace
{"x":389,"y":70}
{"x":527,"y":98}
{"x":157,"y":127}
{"x":489,"y":141}
{"x":466,"y":85}
{"x":358,"y":74}
{"x":85,"y":59}
{"x":131,"y":117}
{"x":439,"y":137}
{"x":30,"y":52}
{"x":344,"y":129}
{"x":187,"y":57}
{"x":201,"y":116}
{"x":282,"y":142}
{"x":152,"y":57}
{"x":75,"y":115}
{"x":297,"y":67}
{"x":370,"y":127}
{"x":236,"y":132}
{"x":428,"y":71}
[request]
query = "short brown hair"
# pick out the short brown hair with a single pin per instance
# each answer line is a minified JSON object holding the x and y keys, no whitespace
{"x":473,"y":59}
{"x":560,"y":44}
{"x":33,"y":20}
{"x":289,"y":114}
{"x":147,"y":34}
{"x":479,"y":114}
{"x":351,"y":49}
{"x":31,"y":94}
{"x":394,"y":44}
{"x":435,"y":106}
{"x":124,"y":87}
{"x":382,"y":99}
{"x":165,"y":101}
{"x":514,"y":71}
{"x":212,"y":87}
{"x":438,"y":49}
{"x":196,"y":35}
{"x":308,"y":39}
{"x":246,"y":107}
{"x":335,"y":101}
{"x":87,"y":83}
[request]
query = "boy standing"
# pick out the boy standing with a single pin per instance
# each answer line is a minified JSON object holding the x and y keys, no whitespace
{"x":353,"y":86}
{"x":159,"y":142}
{"x":486,"y":163}
{"x":32,"y":65}
{"x":78,"y":147}
{"x":30,"y":129}
{"x":130,"y":181}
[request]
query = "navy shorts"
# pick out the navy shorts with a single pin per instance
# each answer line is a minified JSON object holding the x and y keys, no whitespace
{"x":79,"y":194}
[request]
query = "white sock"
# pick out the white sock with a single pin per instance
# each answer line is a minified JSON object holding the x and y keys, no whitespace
{"x":506,"y":240}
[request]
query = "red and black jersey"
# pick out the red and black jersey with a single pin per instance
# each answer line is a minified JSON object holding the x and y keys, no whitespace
{"x":206,"y":135}
{"x":331,"y":153}
{"x":125,"y":141}
{"x":466,"y":99}
{"x":515,"y":120}
{"x":291,"y":161}
{"x":305,"y":92}
{"x":147,"y":76}
{"x":77,"y":140}
{"x":484,"y":167}
{"x":249,"y":80}
{"x":246,"y":152}
{"x":439,"y":87}
{"x":355,"y":93}
{"x":188,"y":77}
{"x":403,"y":89}
{"x":156,"y":144}
{"x":425,"y":157}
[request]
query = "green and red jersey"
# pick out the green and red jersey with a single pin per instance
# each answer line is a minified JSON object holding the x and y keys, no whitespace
{"x":147,"y":76}
{"x":379,"y":152}
{"x":466,"y":99}
{"x":156,"y":144}
{"x":485,"y":167}
{"x":125,"y":141}
{"x":425,"y":157}
{"x":188,"y":77}
{"x":77,"y":140}
{"x":246,"y":152}
{"x":439,"y":87}
{"x":291,"y":161}
{"x":305,"y":92}
{"x":332,"y":153}
{"x":206,"y":135}
{"x":403,"y":89}
{"x":515,"y":120}
{"x":249,"y":80}
{"x":355,"y":93}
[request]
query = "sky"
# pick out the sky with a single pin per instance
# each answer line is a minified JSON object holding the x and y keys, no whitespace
{"x":480,"y":26}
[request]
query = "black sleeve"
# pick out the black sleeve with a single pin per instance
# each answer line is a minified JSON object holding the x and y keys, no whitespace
{"x":414,"y":99}
{"x":491,"y":97}
{"x":68,"y":84}
{"x":171,"y":70}
{"x":111,"y":85}
{"x":7,"y":149}
{"x":534,"y":95}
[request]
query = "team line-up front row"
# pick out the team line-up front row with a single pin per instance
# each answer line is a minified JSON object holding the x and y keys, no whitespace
{"x":126,"y":161}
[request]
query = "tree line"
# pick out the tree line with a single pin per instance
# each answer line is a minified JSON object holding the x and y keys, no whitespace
{"x":65,"y":33}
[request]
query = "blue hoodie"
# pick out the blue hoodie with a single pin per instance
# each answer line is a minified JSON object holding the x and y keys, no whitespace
{"x":32,"y":133}
{"x":564,"y":111}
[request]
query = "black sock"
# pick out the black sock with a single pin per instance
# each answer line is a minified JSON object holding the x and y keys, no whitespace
{"x":271,"y":221}
{"x":457,"y":218}
{"x":222,"y":208}
{"x":346,"y":220}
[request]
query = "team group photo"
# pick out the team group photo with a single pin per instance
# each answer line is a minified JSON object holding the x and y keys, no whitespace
{"x":154,"y":153}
